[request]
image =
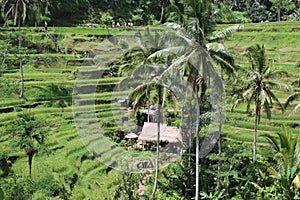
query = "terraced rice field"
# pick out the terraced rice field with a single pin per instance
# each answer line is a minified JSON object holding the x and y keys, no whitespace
{"x":48,"y":92}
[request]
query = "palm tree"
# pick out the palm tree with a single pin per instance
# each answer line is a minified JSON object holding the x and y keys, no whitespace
{"x":287,"y":156}
{"x":18,"y":10}
{"x":137,"y":66}
{"x":31,"y":135}
{"x":201,"y":25}
{"x":196,"y":39}
{"x":258,"y":87}
{"x":138,"y":95}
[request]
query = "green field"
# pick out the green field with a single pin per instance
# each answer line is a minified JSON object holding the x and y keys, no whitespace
{"x":70,"y":167}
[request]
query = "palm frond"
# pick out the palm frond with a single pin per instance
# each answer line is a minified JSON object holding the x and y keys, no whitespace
{"x":297,"y":107}
{"x":227,"y":67}
{"x":284,"y":140}
{"x":249,"y":101}
{"x":220,"y":50}
{"x":168,"y":51}
{"x":177,"y":65}
{"x":291,"y":98}
{"x":174,"y":26}
{"x":248,"y":92}
{"x":225,"y":34}
{"x":296,"y":157}
{"x":267,"y":109}
{"x":274,"y":97}
{"x":276,"y":73}
{"x":236,"y":103}
{"x":296,"y":83}
{"x":277,"y":85}
{"x":272,"y":141}
{"x":125,"y":68}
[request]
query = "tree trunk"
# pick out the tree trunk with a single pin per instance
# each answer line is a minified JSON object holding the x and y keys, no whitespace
{"x":46,"y":8}
{"x":157,"y":142}
{"x":197,"y":146}
{"x":278,"y":14}
{"x":163,"y":8}
{"x":148,"y":102}
{"x":30,"y":156}
{"x":20,"y":55}
{"x":254,"y":137}
{"x":220,"y":156}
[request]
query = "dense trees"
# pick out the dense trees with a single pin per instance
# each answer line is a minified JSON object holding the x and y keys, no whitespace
{"x":150,"y":12}
{"x":239,"y":177}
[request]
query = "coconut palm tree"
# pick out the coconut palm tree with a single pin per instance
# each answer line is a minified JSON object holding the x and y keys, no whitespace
{"x":258,"y":87}
{"x":138,"y":96}
{"x":287,"y":155}
{"x":18,"y":10}
{"x":196,"y":39}
{"x":136,"y":65}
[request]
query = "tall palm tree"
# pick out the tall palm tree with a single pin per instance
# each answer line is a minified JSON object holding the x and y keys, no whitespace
{"x":18,"y":10}
{"x":137,"y":66}
{"x":287,"y":156}
{"x":258,"y":87}
{"x":138,"y":94}
{"x":196,"y":39}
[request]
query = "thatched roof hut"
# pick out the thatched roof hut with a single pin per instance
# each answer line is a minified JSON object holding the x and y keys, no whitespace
{"x":167,"y":133}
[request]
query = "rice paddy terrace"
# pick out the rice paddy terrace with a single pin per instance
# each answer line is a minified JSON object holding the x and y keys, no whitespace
{"x":50,"y":76}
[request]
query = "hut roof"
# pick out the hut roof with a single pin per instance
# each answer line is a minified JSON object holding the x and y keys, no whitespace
{"x":167,"y":133}
{"x":131,"y":136}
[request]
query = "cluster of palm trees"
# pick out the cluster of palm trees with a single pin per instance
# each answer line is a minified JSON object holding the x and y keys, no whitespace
{"x":193,"y":58}
{"x":187,"y":53}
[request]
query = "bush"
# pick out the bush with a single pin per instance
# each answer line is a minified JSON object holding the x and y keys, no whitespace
{"x":8,"y":87}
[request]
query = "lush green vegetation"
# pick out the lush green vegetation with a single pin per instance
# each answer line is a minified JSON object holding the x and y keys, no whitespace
{"x":42,"y":155}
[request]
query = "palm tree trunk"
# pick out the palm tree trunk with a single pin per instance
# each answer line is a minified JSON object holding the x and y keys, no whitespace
{"x":163,"y":8}
{"x":157,"y":141}
{"x":20,"y":55}
{"x":148,"y":102}
{"x":278,"y":14}
{"x":46,"y":8}
{"x":220,"y":155}
{"x":30,"y":156}
{"x":197,"y":147}
{"x":254,"y":137}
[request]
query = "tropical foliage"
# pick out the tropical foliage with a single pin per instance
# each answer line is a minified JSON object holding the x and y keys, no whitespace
{"x":180,"y":66}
